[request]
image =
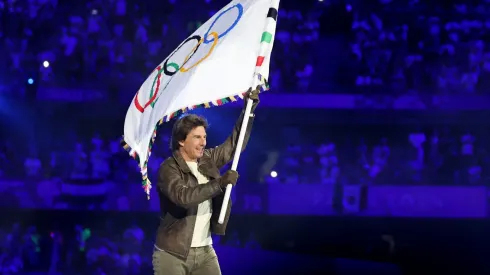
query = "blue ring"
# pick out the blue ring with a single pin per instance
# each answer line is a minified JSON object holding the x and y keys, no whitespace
{"x":240,"y":13}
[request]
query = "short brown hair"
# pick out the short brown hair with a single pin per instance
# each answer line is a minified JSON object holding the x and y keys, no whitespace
{"x":183,"y":126}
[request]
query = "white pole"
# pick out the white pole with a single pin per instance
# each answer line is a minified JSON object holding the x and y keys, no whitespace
{"x":234,"y":164}
{"x":265,"y":47}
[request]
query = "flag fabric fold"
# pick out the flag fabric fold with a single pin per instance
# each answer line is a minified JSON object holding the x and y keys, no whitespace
{"x":215,"y":65}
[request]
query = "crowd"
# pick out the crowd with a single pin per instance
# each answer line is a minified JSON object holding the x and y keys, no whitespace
{"x":421,"y":46}
{"x":104,"y":249}
{"x":399,"y":46}
{"x":449,"y":155}
{"x":91,"y":243}
{"x":371,"y":154}
{"x":96,"y":44}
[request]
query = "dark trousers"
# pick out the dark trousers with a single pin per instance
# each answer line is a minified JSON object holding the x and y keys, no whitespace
{"x":201,"y":261}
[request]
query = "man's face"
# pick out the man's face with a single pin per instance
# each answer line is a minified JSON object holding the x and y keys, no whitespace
{"x":193,"y":146}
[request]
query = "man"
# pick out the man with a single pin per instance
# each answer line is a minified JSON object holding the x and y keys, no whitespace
{"x":191,"y":193}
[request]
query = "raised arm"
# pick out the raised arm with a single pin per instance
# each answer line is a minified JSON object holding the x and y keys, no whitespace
{"x":223,"y":154}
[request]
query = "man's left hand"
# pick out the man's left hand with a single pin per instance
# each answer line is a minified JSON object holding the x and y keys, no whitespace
{"x":253,"y":95}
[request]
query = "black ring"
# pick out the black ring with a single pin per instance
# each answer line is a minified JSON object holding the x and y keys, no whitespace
{"x":165,"y":65}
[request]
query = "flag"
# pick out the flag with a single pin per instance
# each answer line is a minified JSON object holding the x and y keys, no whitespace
{"x":216,"y":64}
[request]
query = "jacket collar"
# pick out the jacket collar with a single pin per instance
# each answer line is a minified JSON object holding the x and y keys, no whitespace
{"x":180,"y":161}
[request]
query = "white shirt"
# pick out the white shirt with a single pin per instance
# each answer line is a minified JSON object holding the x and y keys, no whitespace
{"x":202,"y":232}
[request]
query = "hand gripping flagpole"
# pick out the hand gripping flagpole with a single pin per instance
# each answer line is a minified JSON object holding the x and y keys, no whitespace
{"x":267,"y":41}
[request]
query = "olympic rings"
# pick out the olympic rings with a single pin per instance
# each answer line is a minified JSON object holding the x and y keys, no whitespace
{"x":215,"y":38}
{"x":165,"y":70}
{"x":240,"y":13}
{"x":154,"y":92}
{"x":177,"y":67}
{"x":153,"y":97}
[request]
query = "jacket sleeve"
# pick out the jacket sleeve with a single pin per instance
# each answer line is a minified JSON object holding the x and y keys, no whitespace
{"x":223,"y":154}
{"x":173,"y":186}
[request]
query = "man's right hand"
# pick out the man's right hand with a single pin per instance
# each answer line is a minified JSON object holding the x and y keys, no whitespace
{"x":229,"y":177}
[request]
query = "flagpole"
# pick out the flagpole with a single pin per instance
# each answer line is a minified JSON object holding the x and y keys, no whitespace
{"x":234,"y":164}
{"x":271,"y":21}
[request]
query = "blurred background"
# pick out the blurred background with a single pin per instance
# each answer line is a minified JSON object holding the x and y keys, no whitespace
{"x":370,"y":154}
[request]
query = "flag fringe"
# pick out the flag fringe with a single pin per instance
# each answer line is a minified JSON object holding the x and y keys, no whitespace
{"x":146,"y":184}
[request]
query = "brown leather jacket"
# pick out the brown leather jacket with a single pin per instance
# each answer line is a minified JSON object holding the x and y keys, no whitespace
{"x":180,"y":193}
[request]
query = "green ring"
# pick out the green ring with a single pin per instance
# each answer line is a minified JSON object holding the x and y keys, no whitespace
{"x":173,"y":65}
